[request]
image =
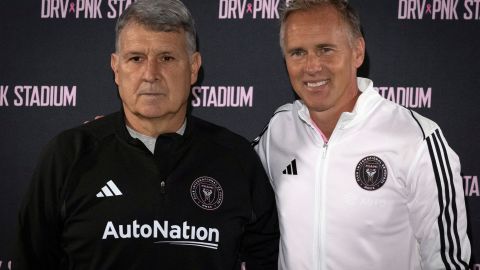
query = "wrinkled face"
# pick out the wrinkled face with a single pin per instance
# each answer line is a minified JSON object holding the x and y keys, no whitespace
{"x":154,"y":72}
{"x":321,"y":60}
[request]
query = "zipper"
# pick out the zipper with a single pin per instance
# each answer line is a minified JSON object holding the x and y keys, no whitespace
{"x":162,"y":187}
{"x":322,"y":200}
{"x":319,"y":209}
{"x":324,"y":150}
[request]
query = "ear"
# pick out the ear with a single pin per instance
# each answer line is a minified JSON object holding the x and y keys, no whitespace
{"x":114,"y":62}
{"x":359,"y":51}
{"x":196,"y":62}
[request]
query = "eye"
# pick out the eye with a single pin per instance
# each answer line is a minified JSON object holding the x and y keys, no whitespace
{"x":297,"y":53}
{"x":166,"y":58}
{"x":135,"y":59}
{"x":325,"y":50}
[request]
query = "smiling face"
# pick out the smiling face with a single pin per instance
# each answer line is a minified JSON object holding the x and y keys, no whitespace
{"x":322,"y":58}
{"x":154,"y":72}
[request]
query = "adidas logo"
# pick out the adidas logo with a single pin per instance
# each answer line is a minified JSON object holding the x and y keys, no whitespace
{"x":291,"y":168}
{"x":109,"y":190}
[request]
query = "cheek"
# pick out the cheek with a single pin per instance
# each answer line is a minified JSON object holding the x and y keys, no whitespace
{"x":178,"y":85}
{"x":294,"y":71}
{"x":130,"y":82}
{"x":345,"y":62}
{"x":180,"y":78}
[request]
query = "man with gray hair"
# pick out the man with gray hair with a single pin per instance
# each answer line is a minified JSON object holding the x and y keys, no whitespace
{"x":149,"y":187}
{"x":360,"y":182}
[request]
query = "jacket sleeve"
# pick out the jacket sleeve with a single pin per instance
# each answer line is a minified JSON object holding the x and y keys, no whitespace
{"x":260,"y":145}
{"x":260,"y":241}
{"x":39,"y":222}
{"x":437,"y":205}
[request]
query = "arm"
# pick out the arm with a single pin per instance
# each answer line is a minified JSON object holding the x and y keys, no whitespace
{"x":437,"y":206}
{"x":260,"y":145}
{"x":39,"y":222}
{"x":260,"y":241}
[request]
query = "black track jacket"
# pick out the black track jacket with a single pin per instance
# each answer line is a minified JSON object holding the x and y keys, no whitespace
{"x":99,"y":199}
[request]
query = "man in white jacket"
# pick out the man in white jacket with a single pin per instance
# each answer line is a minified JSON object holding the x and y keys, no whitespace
{"x":361,"y":182}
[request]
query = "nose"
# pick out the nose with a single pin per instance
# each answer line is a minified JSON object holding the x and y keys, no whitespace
{"x":313,"y":64}
{"x":150,"y":73}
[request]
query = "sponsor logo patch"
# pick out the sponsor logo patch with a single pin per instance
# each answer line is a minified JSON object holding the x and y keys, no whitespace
{"x":207,"y":193}
{"x":371,"y":173}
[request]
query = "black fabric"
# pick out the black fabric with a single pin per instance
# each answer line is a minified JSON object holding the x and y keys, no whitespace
{"x":64,"y":225}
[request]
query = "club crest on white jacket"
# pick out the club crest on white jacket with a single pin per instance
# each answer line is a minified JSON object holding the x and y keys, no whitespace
{"x":385,"y":192}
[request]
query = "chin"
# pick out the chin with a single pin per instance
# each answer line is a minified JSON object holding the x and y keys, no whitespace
{"x":151,"y":114}
{"x":317,"y":107}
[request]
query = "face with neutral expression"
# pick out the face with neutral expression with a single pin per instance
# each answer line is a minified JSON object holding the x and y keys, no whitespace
{"x":321,"y":58}
{"x":154,"y":72}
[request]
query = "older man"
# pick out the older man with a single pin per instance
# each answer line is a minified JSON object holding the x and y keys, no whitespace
{"x":149,"y":187}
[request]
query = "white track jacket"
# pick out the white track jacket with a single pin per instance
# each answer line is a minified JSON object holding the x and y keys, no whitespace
{"x":385,"y":192}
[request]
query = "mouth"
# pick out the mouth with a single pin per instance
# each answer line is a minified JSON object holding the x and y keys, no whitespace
{"x":151,"y":94}
{"x":151,"y":91}
{"x":314,"y":85}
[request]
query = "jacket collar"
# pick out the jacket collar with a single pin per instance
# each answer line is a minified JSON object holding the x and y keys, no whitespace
{"x":365,"y":102}
{"x":122,"y":132}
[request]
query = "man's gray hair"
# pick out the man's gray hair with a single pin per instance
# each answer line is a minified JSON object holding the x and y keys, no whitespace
{"x":161,"y":16}
{"x":346,"y":11}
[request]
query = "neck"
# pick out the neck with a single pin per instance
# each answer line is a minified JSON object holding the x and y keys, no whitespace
{"x":154,"y":127}
{"x":327,"y":120}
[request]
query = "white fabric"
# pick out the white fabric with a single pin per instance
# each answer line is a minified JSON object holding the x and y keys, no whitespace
{"x":327,"y":221}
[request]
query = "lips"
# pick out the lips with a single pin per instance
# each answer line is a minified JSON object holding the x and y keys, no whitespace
{"x":151,"y":90}
{"x":315,"y":84}
{"x":150,"y":94}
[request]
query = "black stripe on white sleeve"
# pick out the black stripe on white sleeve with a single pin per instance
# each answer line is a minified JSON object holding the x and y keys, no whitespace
{"x":447,"y":219}
{"x":454,"y":202}
{"x":257,"y":139}
{"x":420,"y":126}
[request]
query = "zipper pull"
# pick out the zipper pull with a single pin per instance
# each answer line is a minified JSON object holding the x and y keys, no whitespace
{"x":162,"y":187}
{"x":325,"y":148}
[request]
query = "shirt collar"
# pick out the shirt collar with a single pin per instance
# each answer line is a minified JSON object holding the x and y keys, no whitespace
{"x":366,"y":88}
{"x":136,"y":134}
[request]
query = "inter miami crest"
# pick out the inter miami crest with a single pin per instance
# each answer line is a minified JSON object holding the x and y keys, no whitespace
{"x":207,"y":193}
{"x":371,"y":173}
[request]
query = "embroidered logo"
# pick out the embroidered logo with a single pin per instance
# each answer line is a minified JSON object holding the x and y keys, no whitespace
{"x":371,"y":173}
{"x":207,"y":193}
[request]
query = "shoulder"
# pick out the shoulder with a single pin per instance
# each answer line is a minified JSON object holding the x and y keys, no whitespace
{"x":217,"y":135}
{"x":86,"y":136}
{"x":426,"y":125}
{"x":99,"y":128}
{"x":282,"y":114}
{"x":400,"y":119}
{"x":288,"y":107}
{"x":286,"y":112}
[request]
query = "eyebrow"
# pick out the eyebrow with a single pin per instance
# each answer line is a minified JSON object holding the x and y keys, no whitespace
{"x":297,"y":49}
{"x":134,"y":52}
{"x":318,"y":46}
{"x":323,"y":45}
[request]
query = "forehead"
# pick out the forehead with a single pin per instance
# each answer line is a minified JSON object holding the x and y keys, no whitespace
{"x":320,"y":21}
{"x":138,"y":36}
